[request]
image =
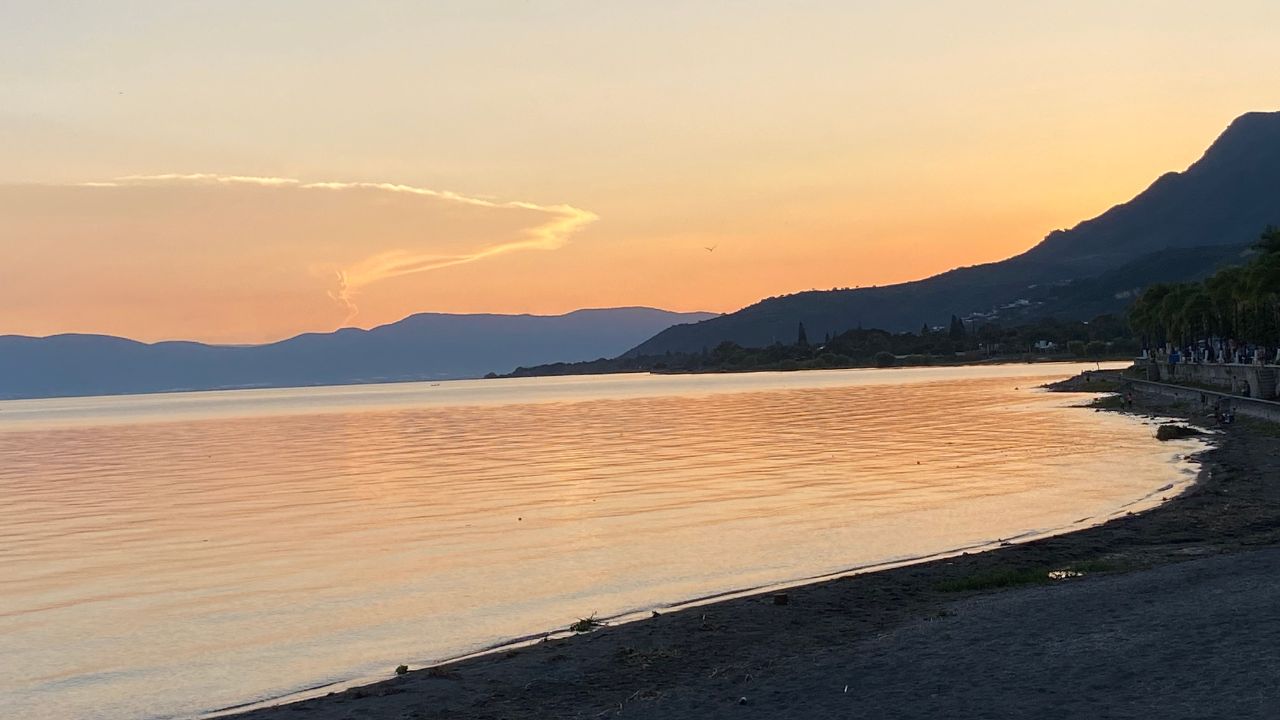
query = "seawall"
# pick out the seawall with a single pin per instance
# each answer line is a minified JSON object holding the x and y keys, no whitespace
{"x":1205,"y":400}
{"x":1254,"y":381}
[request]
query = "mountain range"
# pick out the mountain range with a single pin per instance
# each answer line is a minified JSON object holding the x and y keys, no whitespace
{"x":1183,"y":227}
{"x":427,"y":346}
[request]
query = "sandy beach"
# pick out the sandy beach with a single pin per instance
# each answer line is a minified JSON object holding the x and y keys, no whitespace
{"x":1173,"y":614}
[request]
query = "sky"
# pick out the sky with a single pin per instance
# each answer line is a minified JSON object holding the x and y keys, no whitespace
{"x":241,"y":172}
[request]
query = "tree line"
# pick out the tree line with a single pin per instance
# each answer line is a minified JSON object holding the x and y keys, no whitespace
{"x":1106,"y":336}
{"x":1240,"y":302}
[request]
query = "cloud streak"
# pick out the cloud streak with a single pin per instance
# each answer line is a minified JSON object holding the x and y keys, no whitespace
{"x":561,"y":222}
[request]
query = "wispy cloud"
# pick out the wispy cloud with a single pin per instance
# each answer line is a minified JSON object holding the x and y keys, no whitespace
{"x":560,"y":223}
{"x":196,"y":177}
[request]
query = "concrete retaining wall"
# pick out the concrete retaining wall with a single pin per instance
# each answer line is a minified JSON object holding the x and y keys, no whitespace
{"x":1205,"y":399}
{"x":1257,"y":381}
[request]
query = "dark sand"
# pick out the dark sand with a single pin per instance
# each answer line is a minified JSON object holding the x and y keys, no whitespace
{"x":1178,"y":616}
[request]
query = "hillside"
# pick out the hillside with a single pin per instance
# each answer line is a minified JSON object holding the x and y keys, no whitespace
{"x":1208,"y":213}
{"x":420,"y":347}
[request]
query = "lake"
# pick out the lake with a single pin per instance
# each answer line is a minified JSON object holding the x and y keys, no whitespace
{"x":170,"y":555}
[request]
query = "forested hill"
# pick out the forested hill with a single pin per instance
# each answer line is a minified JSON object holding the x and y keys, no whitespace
{"x":1182,"y":227}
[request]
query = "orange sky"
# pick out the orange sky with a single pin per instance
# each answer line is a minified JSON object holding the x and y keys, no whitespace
{"x":540,"y":157}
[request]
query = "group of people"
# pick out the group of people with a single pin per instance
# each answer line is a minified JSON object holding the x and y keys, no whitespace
{"x":1216,"y":350}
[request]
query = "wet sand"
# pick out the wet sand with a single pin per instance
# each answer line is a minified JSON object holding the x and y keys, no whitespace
{"x":1177,"y":615}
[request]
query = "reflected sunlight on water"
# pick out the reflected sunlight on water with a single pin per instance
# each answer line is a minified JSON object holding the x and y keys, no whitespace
{"x":262,"y":542}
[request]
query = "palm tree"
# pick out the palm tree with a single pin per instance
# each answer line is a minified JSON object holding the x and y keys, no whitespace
{"x":1144,"y":314}
{"x":1226,"y":292}
{"x":1262,"y":283}
{"x":1172,"y":312}
{"x":1197,"y":313}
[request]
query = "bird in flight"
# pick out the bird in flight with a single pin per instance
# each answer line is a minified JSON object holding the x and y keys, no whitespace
{"x":710,"y":249}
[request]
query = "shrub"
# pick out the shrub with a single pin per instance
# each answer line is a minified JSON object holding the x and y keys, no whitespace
{"x":1004,"y":577}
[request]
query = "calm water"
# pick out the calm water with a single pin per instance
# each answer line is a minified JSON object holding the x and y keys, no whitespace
{"x":169,"y":555}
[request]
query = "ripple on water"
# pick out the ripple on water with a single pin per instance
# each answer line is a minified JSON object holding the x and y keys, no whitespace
{"x":263,"y":551}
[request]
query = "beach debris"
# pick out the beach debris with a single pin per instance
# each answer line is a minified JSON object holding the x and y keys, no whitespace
{"x":402,"y":669}
{"x":656,"y":614}
{"x":781,"y":599}
{"x":644,"y":694}
{"x":586,"y":624}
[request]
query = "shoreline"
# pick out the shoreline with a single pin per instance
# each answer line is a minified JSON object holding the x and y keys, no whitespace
{"x":643,"y":667}
{"x":933,"y":361}
{"x":726,"y":596}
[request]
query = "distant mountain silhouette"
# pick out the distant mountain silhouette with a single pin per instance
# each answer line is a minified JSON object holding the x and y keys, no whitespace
{"x":1209,"y":214}
{"x":428,"y":346}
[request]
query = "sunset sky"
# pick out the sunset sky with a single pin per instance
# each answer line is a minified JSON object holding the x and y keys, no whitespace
{"x":244,"y":171}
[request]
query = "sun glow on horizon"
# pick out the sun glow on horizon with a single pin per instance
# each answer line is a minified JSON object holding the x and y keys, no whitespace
{"x":819,"y":145}
{"x":320,"y":244}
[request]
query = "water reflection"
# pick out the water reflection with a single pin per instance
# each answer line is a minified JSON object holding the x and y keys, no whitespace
{"x":265,"y":551}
